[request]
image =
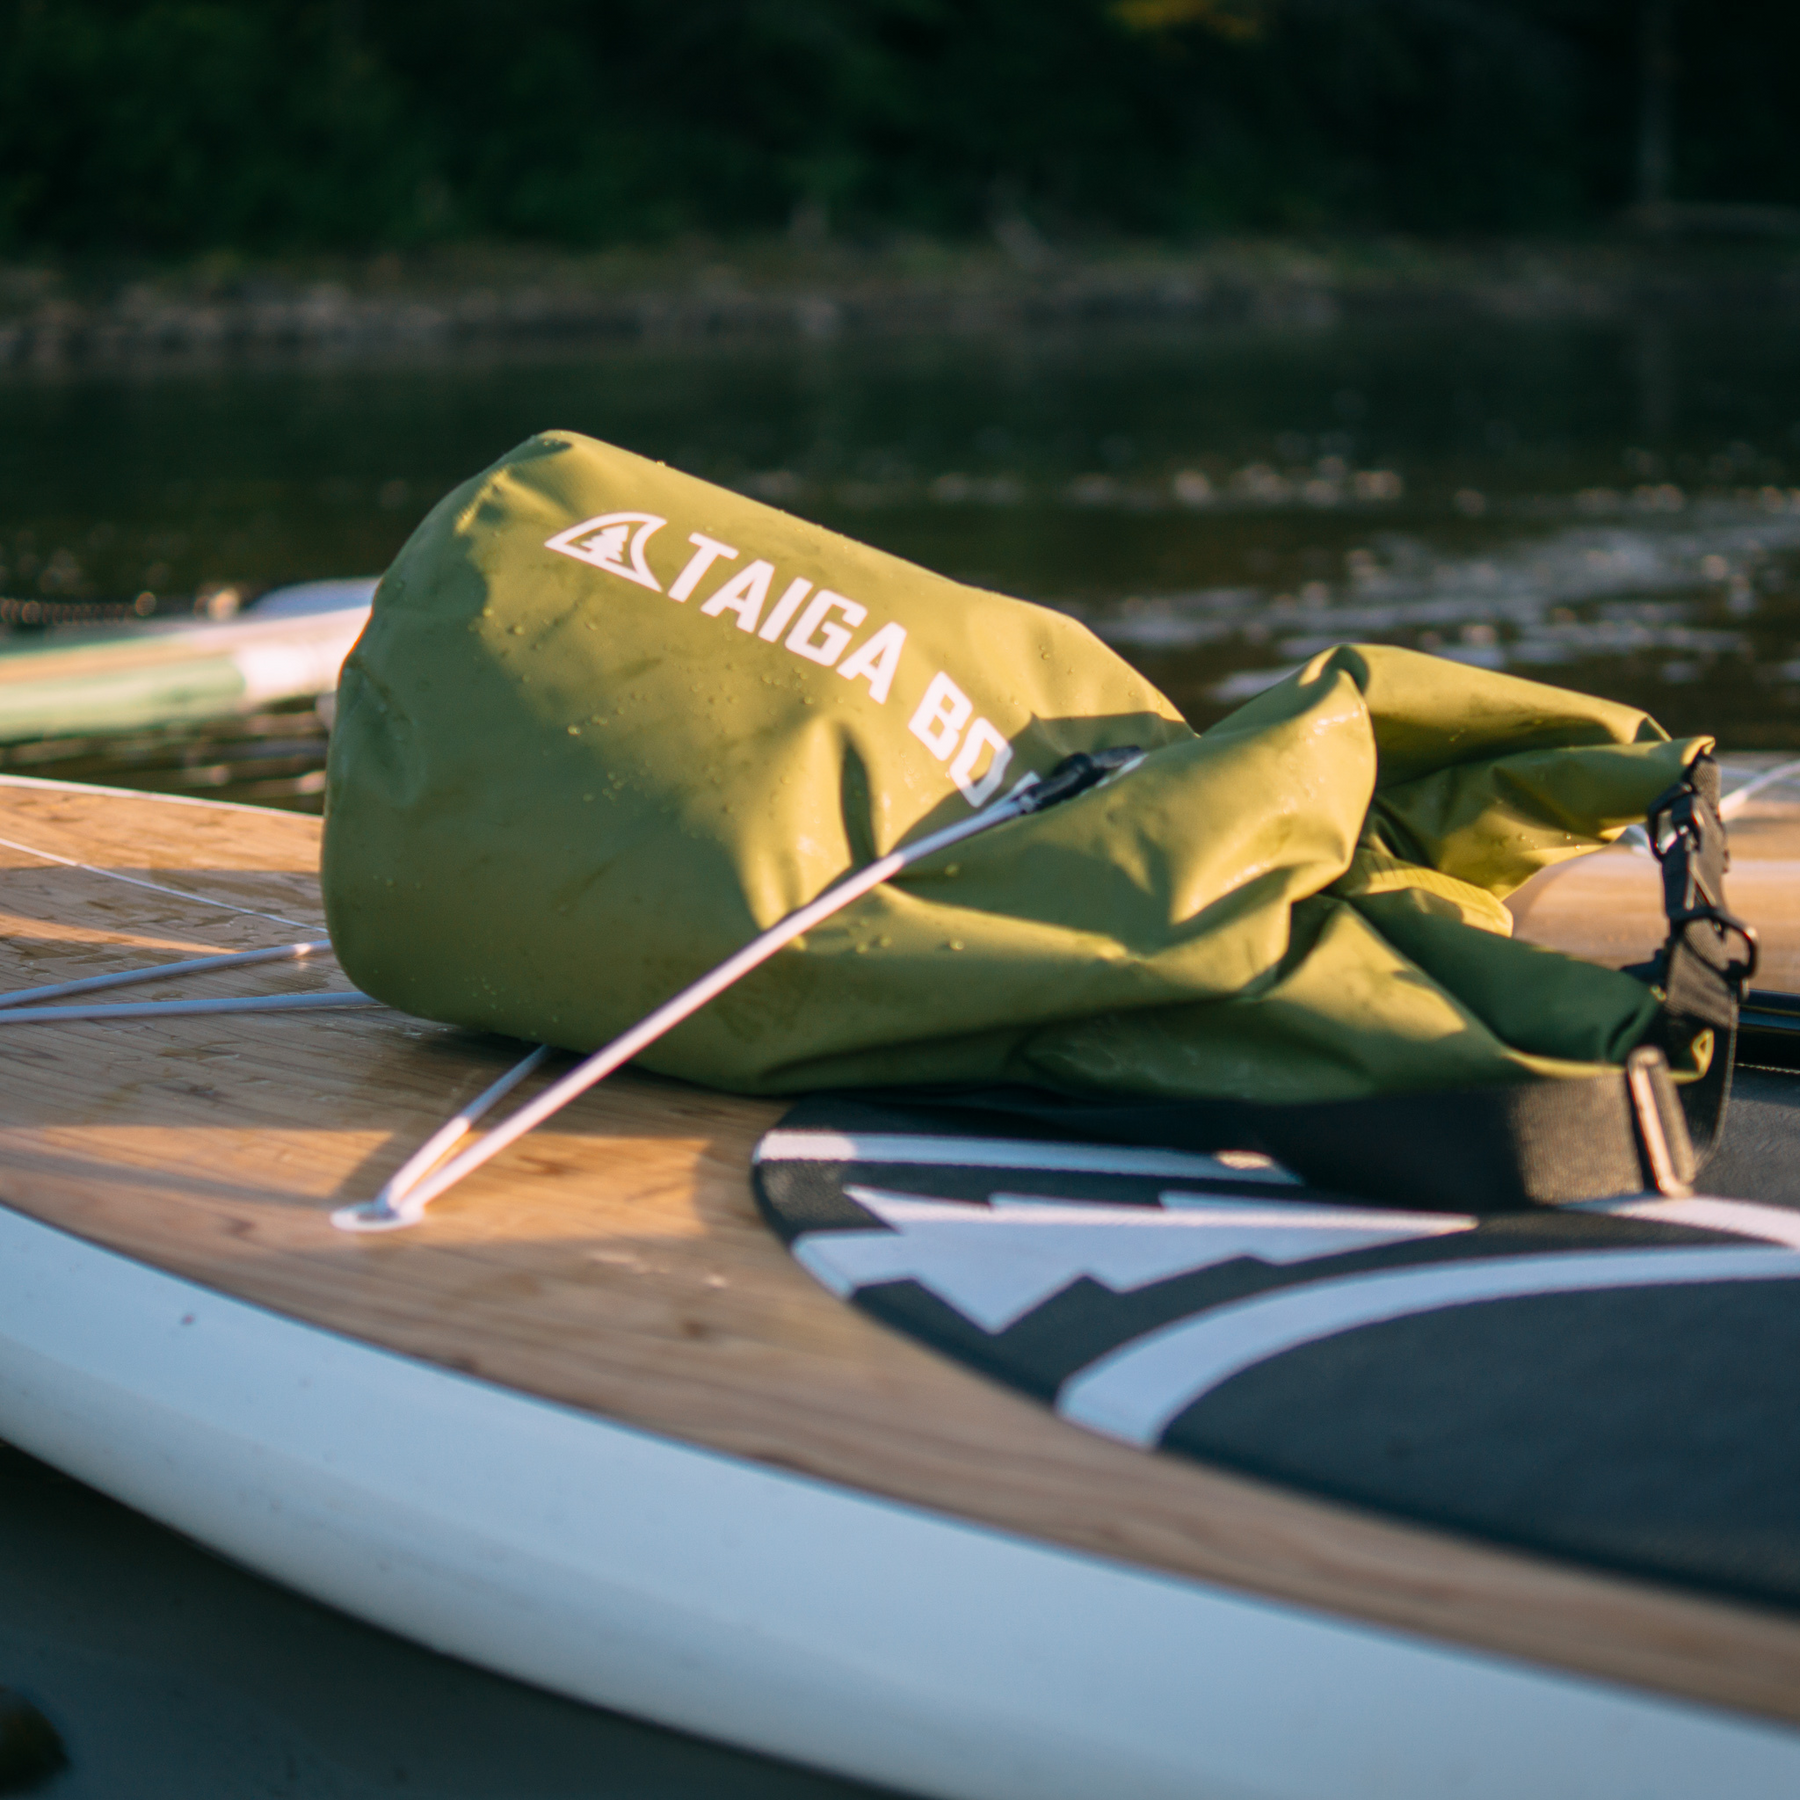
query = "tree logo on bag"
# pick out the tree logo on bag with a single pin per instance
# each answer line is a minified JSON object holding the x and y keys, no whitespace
{"x":608,"y":541}
{"x":978,"y":757}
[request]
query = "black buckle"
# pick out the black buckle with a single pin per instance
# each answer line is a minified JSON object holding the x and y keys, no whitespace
{"x":1740,"y":969}
{"x":1683,"y":817}
{"x":1684,"y":828}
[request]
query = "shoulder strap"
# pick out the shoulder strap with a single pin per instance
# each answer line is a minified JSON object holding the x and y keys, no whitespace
{"x":1705,"y":966}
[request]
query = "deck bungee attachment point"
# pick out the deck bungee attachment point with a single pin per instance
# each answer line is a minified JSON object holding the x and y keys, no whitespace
{"x":404,"y":1200}
{"x":192,"y":965}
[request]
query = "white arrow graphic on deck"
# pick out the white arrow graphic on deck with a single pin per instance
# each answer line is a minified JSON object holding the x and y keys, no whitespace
{"x":994,"y":1263}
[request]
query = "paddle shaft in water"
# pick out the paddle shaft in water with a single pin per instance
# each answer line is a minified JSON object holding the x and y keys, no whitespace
{"x":405,"y":1197}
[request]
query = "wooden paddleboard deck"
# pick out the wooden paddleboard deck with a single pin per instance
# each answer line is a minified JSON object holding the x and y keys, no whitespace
{"x":614,"y":1262}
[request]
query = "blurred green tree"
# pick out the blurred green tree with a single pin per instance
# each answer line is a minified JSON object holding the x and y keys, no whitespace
{"x":169,"y":126}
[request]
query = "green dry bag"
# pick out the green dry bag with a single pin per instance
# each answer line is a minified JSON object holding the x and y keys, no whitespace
{"x":608,"y":721}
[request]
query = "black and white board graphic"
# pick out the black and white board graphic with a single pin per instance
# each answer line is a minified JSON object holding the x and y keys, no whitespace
{"x":1618,"y":1383}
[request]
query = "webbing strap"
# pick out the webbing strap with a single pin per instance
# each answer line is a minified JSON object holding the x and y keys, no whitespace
{"x":1498,"y":1149}
{"x":1706,"y":965}
{"x":1492,"y":1149}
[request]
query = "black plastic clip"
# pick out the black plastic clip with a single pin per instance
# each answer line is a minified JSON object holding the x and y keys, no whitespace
{"x":1688,"y":839}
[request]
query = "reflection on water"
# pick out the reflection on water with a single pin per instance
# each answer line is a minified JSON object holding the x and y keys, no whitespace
{"x":1674,"y":599}
{"x":1607,"y":505}
{"x":273,"y":758}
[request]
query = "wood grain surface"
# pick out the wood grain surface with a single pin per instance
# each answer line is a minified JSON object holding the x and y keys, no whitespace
{"x":614,"y":1261}
{"x":1608,"y":907}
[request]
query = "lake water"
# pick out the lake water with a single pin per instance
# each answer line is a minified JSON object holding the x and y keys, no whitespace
{"x":1608,"y":505}
{"x":1611,"y":505}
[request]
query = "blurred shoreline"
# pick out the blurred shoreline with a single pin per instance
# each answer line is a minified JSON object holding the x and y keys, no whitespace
{"x":57,"y":317}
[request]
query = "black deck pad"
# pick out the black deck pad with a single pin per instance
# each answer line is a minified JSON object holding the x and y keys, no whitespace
{"x":1617,"y":1384}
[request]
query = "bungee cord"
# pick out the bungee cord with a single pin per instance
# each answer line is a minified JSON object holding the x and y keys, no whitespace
{"x":402,"y":1202}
